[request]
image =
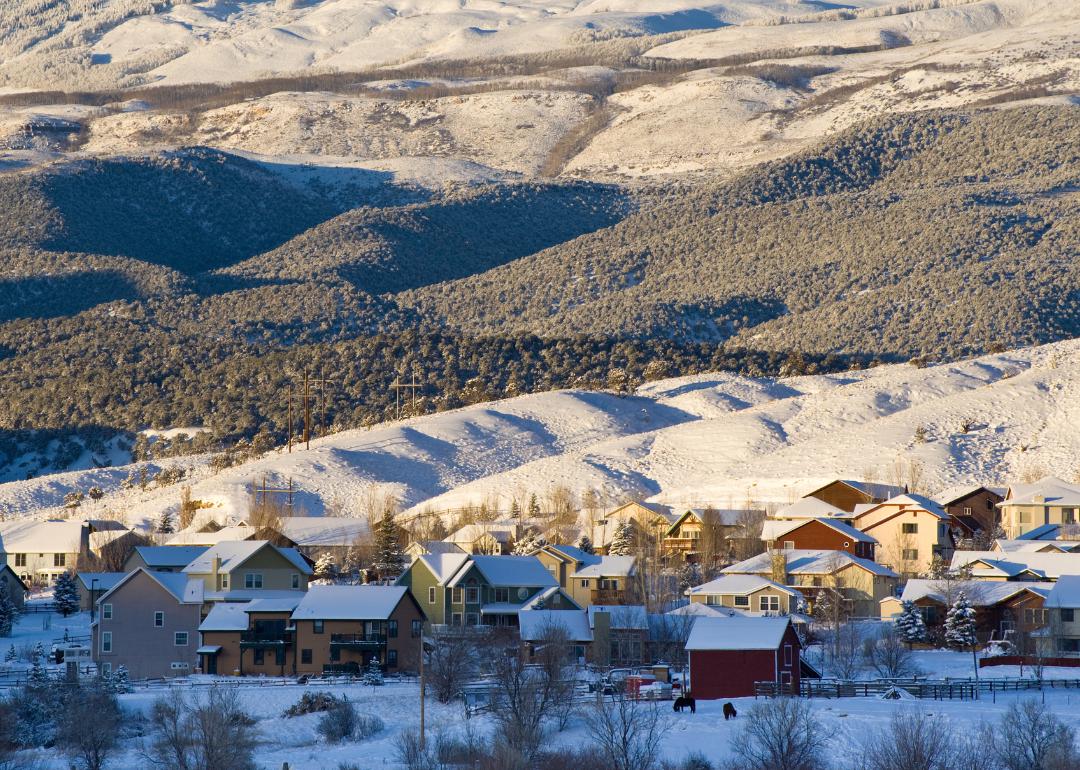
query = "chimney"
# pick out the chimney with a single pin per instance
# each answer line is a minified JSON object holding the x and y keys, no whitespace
{"x":215,"y":568}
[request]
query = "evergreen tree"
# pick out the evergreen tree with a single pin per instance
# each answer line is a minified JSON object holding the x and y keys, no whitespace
{"x":8,"y":612}
{"x":11,"y":655}
{"x":118,"y":682}
{"x":38,"y":675}
{"x":910,"y":624}
{"x":389,"y":558}
{"x":534,"y":507}
{"x":66,"y":594}
{"x":165,"y":526}
{"x":689,"y":576}
{"x":960,"y":624}
{"x":585,"y":545}
{"x":325,"y":569}
{"x":525,"y":546}
{"x":823,"y":606}
{"x":373,"y":673}
{"x":622,"y":542}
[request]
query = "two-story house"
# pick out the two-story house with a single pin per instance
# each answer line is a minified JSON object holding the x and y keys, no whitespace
{"x":163,"y":558}
{"x":41,"y":551}
{"x":252,"y":637}
{"x":230,"y":569}
{"x":912,"y":531}
{"x":698,"y":529}
{"x":590,"y":578}
{"x":749,"y":594}
{"x":490,"y":538}
{"x":846,"y":494}
{"x":148,"y":622}
{"x":1048,"y":501}
{"x":973,"y":508}
{"x":818,"y":534}
{"x":1062,"y":635}
{"x":13,"y":584}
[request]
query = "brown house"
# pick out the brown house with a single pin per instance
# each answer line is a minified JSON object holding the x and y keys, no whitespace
{"x":972,"y":508}
{"x":16,"y":588}
{"x":845,"y":494}
{"x":818,"y":534}
{"x":244,"y":638}
{"x":728,"y":655}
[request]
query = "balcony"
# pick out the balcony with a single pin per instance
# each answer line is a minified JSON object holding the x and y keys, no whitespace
{"x":358,"y":641}
{"x":607,"y":596}
{"x":265,"y":640}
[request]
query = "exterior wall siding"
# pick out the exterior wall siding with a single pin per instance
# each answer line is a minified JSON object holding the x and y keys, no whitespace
{"x":816,"y":536}
{"x":716,"y":674}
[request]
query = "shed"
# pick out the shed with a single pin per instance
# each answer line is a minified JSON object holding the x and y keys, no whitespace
{"x":729,"y":654}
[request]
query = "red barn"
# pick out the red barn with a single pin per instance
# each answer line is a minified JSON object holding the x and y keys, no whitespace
{"x":727,"y":655}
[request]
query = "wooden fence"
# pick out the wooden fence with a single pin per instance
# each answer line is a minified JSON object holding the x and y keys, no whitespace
{"x":925,"y":689}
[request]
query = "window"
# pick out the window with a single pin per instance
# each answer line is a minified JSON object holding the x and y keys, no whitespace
{"x":417,"y":629}
{"x":106,"y":612}
{"x":253,"y":580}
{"x":472,"y":595}
{"x":180,"y":639}
{"x":106,"y":641}
{"x":910,"y":554}
{"x":789,"y":545}
{"x":59,"y":559}
{"x":316,"y":626}
{"x":279,"y":656}
{"x":785,"y":677}
{"x":1068,"y":515}
{"x":106,"y":669}
{"x":455,"y":619}
{"x":260,"y":657}
{"x":1035,"y":617}
{"x":472,"y":619}
{"x":391,"y":658}
{"x":769,"y":603}
{"x":1067,"y":615}
{"x":787,"y":654}
{"x":909,"y":528}
{"x":305,"y":656}
{"x":431,"y":595}
{"x":295,"y":580}
{"x":967,"y":511}
{"x":502,"y":594}
{"x":741,"y":601}
{"x":159,"y":619}
{"x":456,"y":598}
{"x":584,"y":583}
{"x":391,"y":629}
{"x":224,"y":581}
{"x":20,"y":560}
{"x":989,"y":504}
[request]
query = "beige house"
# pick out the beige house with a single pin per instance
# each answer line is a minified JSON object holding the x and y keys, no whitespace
{"x":41,"y":551}
{"x":1049,"y":501}
{"x":749,"y":594}
{"x":1061,"y":637}
{"x":149,"y":623}
{"x":911,"y":530}
{"x":998,"y":566}
{"x":492,"y":539}
{"x":227,"y":570}
{"x":858,"y":584}
{"x":418,"y":548}
{"x":591,"y":579}
{"x":649,"y":520}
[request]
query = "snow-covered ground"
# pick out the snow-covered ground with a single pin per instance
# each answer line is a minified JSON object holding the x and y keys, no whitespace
{"x":716,"y":439}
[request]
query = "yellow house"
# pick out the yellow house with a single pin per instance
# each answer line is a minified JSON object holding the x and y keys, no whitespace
{"x":1027,"y":507}
{"x":911,"y":531}
{"x":591,"y":579}
{"x":249,"y":565}
{"x":650,"y":520}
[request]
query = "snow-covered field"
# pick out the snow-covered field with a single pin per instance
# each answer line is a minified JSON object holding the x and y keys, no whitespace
{"x":716,"y":439}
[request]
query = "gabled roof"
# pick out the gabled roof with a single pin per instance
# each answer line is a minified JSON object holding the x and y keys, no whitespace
{"x":26,"y":536}
{"x":726,"y":517}
{"x":661,"y":510}
{"x":533,"y":624}
{"x":435,"y":546}
{"x":958,"y":492}
{"x":1065,"y":593}
{"x":774,"y":530}
{"x":15,"y":575}
{"x":442,"y":565}
{"x":981,"y":593}
{"x":172,"y":556}
{"x":737,"y":585}
{"x":1048,"y":566}
{"x":187,"y":537}
{"x":1044,"y":532}
{"x":226,"y":616}
{"x":278,"y":601}
{"x":470,"y":533}
{"x":1047,"y":491}
{"x":100,"y":581}
{"x":506,"y":571}
{"x":570,"y":553}
{"x":802,"y":561}
{"x":98,"y":540}
{"x":737,"y":633}
{"x":322,"y":531}
{"x":182,"y":588}
{"x":811,"y":508}
{"x":1004,"y":546}
{"x":906,"y":502}
{"x":349,"y":602}
{"x":869,"y":488}
{"x":235,"y":552}
{"x":623,"y":616}
{"x":700,"y":609}
{"x":608,"y":566}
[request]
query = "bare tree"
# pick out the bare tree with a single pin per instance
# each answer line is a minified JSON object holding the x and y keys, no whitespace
{"x":782,"y":734}
{"x":449,"y":663}
{"x":843,"y":651}
{"x":627,"y":733}
{"x":562,"y":508}
{"x":888,"y":655}
{"x":552,"y":657}
{"x":211,"y":732}
{"x":1030,"y":737}
{"x":669,"y":634}
{"x":88,"y":725}
{"x":911,"y":741}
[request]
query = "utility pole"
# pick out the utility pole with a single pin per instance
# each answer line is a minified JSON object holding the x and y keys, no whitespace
{"x":421,"y":688}
{"x":305,"y":398}
{"x":398,"y":385}
{"x":290,"y":417}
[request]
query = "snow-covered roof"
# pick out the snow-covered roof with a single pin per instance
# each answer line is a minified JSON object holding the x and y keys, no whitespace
{"x":278,"y":602}
{"x":184,"y":589}
{"x":349,"y":602}
{"x":608,"y":566}
{"x":1047,"y":491}
{"x":437,"y":546}
{"x":725,"y":517}
{"x":508,"y":571}
{"x":1034,"y":546}
{"x":470,"y":533}
{"x":23,"y":536}
{"x":981,"y":593}
{"x":100,"y":581}
{"x":1065,"y":593}
{"x":235,"y":552}
{"x":239,"y":532}
{"x":252,"y":594}
{"x":1050,"y":566}
{"x":323,"y":531}
{"x":444,"y":565}
{"x":623,"y":616}
{"x":226,"y":616}
{"x":533,"y":624}
{"x":99,"y":540}
{"x":909,"y":501}
{"x":700,"y":609}
{"x":572,"y":552}
{"x":169,"y":555}
{"x":738,"y":585}
{"x":737,"y":633}
{"x":802,"y":561}
{"x":871,"y":488}
{"x":774,"y":530}
{"x":1044,"y":532}
{"x":811,"y":508}
{"x":960,"y":491}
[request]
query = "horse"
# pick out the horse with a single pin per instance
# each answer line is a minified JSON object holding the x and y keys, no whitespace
{"x":685,"y":701}
{"x":729,"y":711}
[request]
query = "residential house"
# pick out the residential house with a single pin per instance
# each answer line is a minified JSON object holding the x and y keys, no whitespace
{"x":163,"y":558}
{"x":539,"y":627}
{"x":846,"y":494}
{"x":207,"y":537}
{"x":1062,"y":634}
{"x":492,"y":538}
{"x":972,"y":507}
{"x":14,"y":585}
{"x":1047,"y":501}
{"x":427,"y":578}
{"x":698,"y":529}
{"x":1002,"y":610}
{"x":1002,"y":545}
{"x":650,"y":521}
{"x":857,"y":584}
{"x":148,"y":622}
{"x":250,"y":637}
{"x":418,"y":548}
{"x":998,"y":566}
{"x":818,"y":534}
{"x":249,"y":565}
{"x":589,"y":578}
{"x":92,"y":585}
{"x":811,"y":508}
{"x":912,"y":532}
{"x":728,"y":655}
{"x":41,"y":551}
{"x":620,"y":634}
{"x":748,"y":594}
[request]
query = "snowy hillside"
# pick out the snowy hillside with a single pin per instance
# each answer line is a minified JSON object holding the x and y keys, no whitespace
{"x":721,"y":439}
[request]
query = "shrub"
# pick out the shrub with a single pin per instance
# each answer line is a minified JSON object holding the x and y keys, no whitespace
{"x":312,"y":703}
{"x":338,"y":723}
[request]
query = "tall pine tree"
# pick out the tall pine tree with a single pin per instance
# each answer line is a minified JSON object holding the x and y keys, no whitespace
{"x":910,"y":624}
{"x":8,"y":612}
{"x":960,"y":628}
{"x":584,"y":544}
{"x":389,"y":558}
{"x":622,"y":542}
{"x":66,"y":594}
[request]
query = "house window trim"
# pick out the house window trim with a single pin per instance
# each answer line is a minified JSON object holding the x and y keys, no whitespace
{"x":159,"y":615}
{"x":391,"y":628}
{"x":107,"y":611}
{"x":472,"y":595}
{"x":768,"y":603}
{"x":295,"y":580}
{"x":788,"y":655}
{"x":391,"y":658}
{"x":431,"y":594}
{"x":305,"y":657}
{"x":176,"y":639}
{"x":318,"y":627}
{"x":741,"y":601}
{"x":253,"y":581}
{"x":106,"y":642}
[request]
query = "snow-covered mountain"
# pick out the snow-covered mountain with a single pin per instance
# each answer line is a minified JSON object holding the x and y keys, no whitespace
{"x":717,"y":438}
